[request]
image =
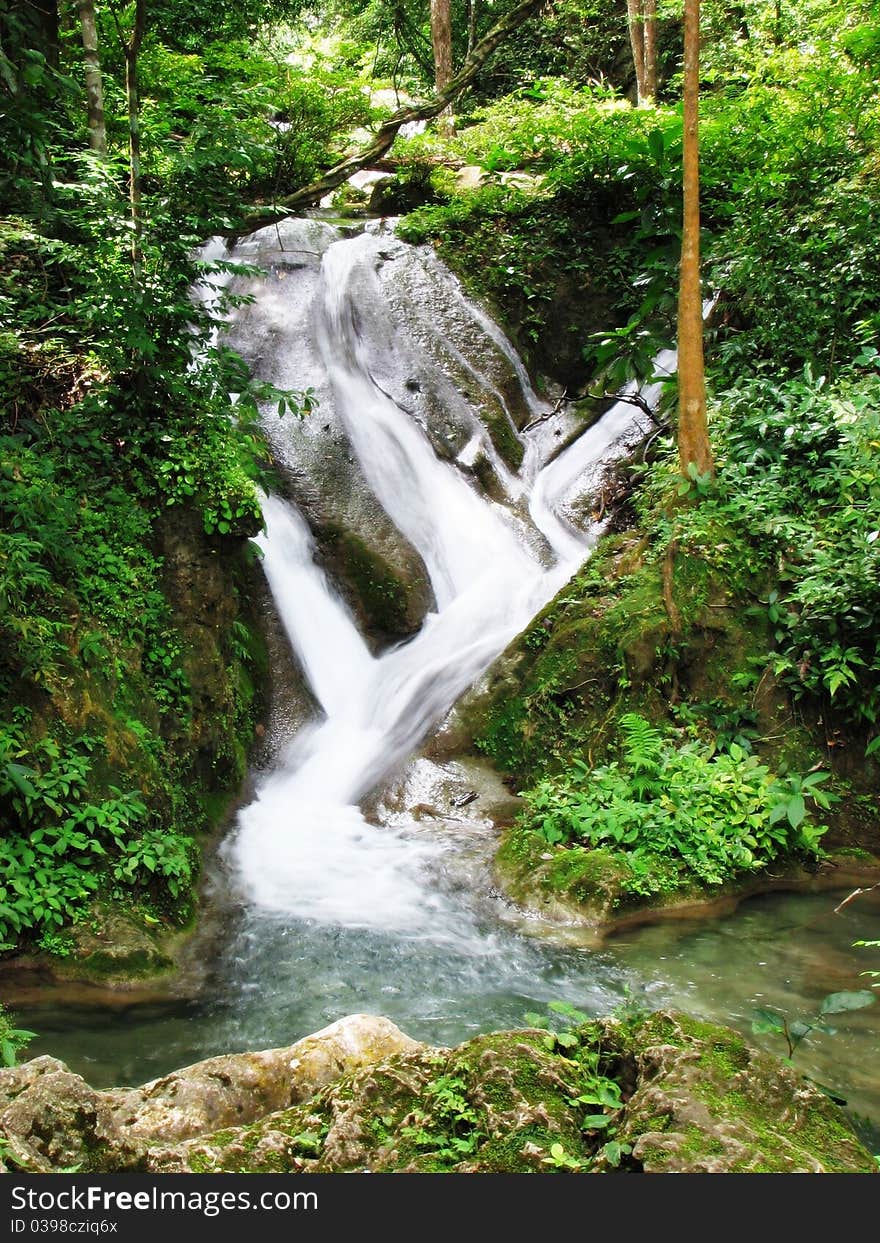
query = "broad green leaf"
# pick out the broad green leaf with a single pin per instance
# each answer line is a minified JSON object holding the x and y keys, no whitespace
{"x":595,"y":1122}
{"x":657,"y":144}
{"x":796,"y":810}
{"x":799,"y":1029}
{"x":767,"y":1021}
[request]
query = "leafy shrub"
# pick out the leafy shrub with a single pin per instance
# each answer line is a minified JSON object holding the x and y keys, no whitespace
{"x":59,"y":833}
{"x":793,"y":517}
{"x":679,"y":813}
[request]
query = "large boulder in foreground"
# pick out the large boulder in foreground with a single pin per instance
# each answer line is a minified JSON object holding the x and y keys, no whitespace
{"x":661,"y":1094}
{"x":51,"y":1119}
{"x":658,"y":1093}
{"x":238,"y":1088}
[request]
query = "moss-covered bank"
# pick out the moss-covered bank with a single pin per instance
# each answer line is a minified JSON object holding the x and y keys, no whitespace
{"x":165,"y":718}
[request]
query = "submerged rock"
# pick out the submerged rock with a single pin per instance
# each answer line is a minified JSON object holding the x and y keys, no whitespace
{"x":657,"y":1093}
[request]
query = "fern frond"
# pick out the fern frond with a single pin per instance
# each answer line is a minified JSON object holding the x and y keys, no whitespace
{"x":642,"y":743}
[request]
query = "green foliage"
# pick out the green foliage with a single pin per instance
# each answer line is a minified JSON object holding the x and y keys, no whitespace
{"x":190,"y":25}
{"x":120,"y":402}
{"x":56,"y":944}
{"x":12,"y":1039}
{"x":167,"y":856}
{"x":459,"y":1132}
{"x":798,"y":499}
{"x":599,"y":231}
{"x":790,"y":137}
{"x":873,"y":975}
{"x":678,"y":813}
{"x":559,"y":1159}
{"x":60,"y":837}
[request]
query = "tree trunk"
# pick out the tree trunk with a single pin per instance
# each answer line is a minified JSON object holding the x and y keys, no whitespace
{"x":649,"y":11}
{"x":472,"y":25}
{"x":385,"y":135}
{"x":637,"y":43}
{"x":693,"y":435}
{"x":642,"y":22}
{"x":441,"y":42}
{"x":132,"y":92}
{"x":94,"y":82}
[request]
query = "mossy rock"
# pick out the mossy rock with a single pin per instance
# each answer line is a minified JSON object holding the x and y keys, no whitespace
{"x":504,"y":438}
{"x":608,"y":645}
{"x":390,"y":605}
{"x":708,"y":1102}
{"x":110,"y":945}
{"x":694,"y":1097}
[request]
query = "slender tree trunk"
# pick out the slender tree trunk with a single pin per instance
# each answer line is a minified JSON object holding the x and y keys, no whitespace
{"x":441,"y":41}
{"x":472,"y":25}
{"x":132,"y":91}
{"x":642,"y":22}
{"x":649,"y":12}
{"x":637,"y":43}
{"x":94,"y":81}
{"x":693,"y":434}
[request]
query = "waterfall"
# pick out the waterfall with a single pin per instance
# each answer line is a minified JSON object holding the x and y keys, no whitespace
{"x":303,"y":848}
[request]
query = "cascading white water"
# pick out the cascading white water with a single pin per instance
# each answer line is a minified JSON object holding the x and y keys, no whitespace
{"x":303,"y":847}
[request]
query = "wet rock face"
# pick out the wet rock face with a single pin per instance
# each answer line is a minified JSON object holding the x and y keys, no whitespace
{"x":657,"y":1094}
{"x":402,"y":336}
{"x":380,"y":574}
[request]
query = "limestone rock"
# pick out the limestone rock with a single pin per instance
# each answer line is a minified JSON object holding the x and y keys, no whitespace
{"x":695,"y":1098}
{"x":677,"y":1095}
{"x":53,"y":1120}
{"x":237,"y":1088}
{"x":707,"y":1102}
{"x":113,"y":945}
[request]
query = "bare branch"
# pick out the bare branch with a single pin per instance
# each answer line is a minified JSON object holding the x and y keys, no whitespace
{"x":855,"y":894}
{"x":542,"y":418}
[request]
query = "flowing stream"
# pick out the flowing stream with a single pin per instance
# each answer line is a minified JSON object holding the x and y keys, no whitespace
{"x":340,"y":893}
